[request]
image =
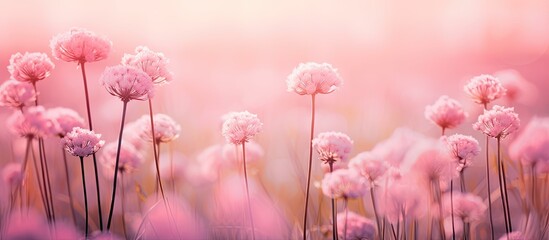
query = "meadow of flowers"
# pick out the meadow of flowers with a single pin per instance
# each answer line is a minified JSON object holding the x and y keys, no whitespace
{"x":120,"y":150}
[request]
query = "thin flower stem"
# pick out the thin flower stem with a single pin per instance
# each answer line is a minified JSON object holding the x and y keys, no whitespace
{"x":489,"y":189}
{"x":334,"y":214}
{"x":155,"y":151}
{"x":438,"y":194}
{"x":43,"y":183}
{"x":504,"y":178}
{"x":68,"y":180}
{"x":88,"y":109}
{"x":43,"y":149}
{"x":125,"y":104}
{"x":394,"y":232}
{"x":247,"y":189}
{"x":501,"y":190}
{"x":123,"y":195}
{"x":85,"y":193}
{"x":452,"y":208}
{"x":374,"y":205}
{"x":46,"y":209}
{"x":309,"y":166}
{"x":462,"y":181}
{"x":345,"y":203}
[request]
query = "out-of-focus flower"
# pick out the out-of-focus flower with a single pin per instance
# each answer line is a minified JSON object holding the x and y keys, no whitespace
{"x":370,"y":166}
{"x":532,"y":145}
{"x":254,"y":153}
{"x":132,"y":135}
{"x":240,"y":127}
{"x":16,"y":94}
{"x":498,"y":122}
{"x":358,"y":227}
{"x":127,"y":83}
{"x":446,"y":113}
{"x":82,"y":142}
{"x":130,"y":158}
{"x":33,"y":123}
{"x":65,"y":120}
{"x":463,"y":148}
{"x":333,"y":146}
{"x":394,"y":149}
{"x":518,"y":88}
{"x":313,"y":78}
{"x":429,"y":161}
{"x":165,"y":128}
{"x":484,"y":89}
{"x":467,"y":206}
{"x":402,"y":197}
{"x":30,"y":225}
{"x":516,"y":235}
{"x":80,"y":45}
{"x":344,"y":183}
{"x":30,"y":67}
{"x":152,"y":63}
{"x":12,"y":175}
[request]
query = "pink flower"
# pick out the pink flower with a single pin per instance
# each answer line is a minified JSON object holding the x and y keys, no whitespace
{"x":463,"y":149}
{"x":343,"y":183}
{"x":394,"y":149}
{"x":12,"y":175}
{"x":165,"y":128}
{"x":498,"y":122}
{"x":358,"y":227}
{"x":430,"y":161}
{"x":33,"y":123}
{"x":130,"y":158}
{"x":16,"y":94}
{"x":445,"y":112}
{"x":516,"y":235}
{"x":518,"y":88}
{"x":254,"y":153}
{"x":152,"y":63}
{"x":132,"y":135}
{"x":532,"y":145}
{"x":313,"y":78}
{"x":30,"y":67}
{"x":467,"y":206}
{"x":484,"y":89}
{"x":403,"y":197}
{"x":82,"y":142}
{"x":240,"y":127}
{"x":127,"y":83}
{"x":333,"y":146}
{"x":370,"y":166}
{"x":66,"y":119}
{"x":80,"y":45}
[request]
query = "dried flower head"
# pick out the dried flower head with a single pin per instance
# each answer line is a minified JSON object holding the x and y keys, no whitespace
{"x":370,"y":166}
{"x":333,"y":146}
{"x":344,"y":183}
{"x":532,"y":145}
{"x":30,"y":67}
{"x":80,"y":45}
{"x":82,"y":142}
{"x":33,"y":123}
{"x":467,"y":206}
{"x":152,"y":63}
{"x":313,"y":78}
{"x":165,"y":128}
{"x":130,"y":158}
{"x":445,"y":112}
{"x":240,"y":127}
{"x":498,"y":122}
{"x":484,"y":89}
{"x":463,"y":149}
{"x":127,"y":83}
{"x":358,"y":227}
{"x":12,"y":175}
{"x":16,"y":94}
{"x":65,"y":120}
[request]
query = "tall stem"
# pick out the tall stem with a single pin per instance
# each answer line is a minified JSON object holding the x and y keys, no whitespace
{"x":309,"y":166}
{"x":85,"y":193}
{"x":69,"y":185}
{"x":503,"y":188}
{"x":462,"y":181}
{"x":88,"y":109}
{"x":502,"y":196}
{"x":43,"y":150}
{"x":43,"y":175}
{"x":374,"y":205}
{"x":345,"y":203}
{"x":452,"y":208}
{"x":334,"y":215}
{"x":247,"y":189}
{"x":155,"y":151}
{"x":489,"y":189}
{"x":123,"y":195}
{"x":43,"y":197}
{"x":125,"y":104}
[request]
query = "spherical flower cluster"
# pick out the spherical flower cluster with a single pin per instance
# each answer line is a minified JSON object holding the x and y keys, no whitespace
{"x":463,"y":149}
{"x":313,"y":78}
{"x":33,"y":123}
{"x":531,"y":147}
{"x":165,"y":128}
{"x":152,"y":63}
{"x":127,"y":83}
{"x":12,"y":175}
{"x":445,"y":112}
{"x":484,"y":89}
{"x":358,"y":227}
{"x":333,"y":146}
{"x":82,"y":142}
{"x":16,"y":94}
{"x":30,"y":67}
{"x":80,"y":45}
{"x":65,"y":120}
{"x":498,"y":122}
{"x":240,"y":127}
{"x":467,"y":206}
{"x":130,"y":158}
{"x":370,"y":166}
{"x":344,"y":183}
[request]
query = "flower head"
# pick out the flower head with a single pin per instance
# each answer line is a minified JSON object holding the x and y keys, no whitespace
{"x":12,"y":175}
{"x":429,"y":161}
{"x":127,"y":83}
{"x":532,"y":145}
{"x":358,"y":227}
{"x":240,"y":127}
{"x":152,"y":63}
{"x":313,"y":78}
{"x":165,"y":128}
{"x":498,"y":122}
{"x":33,"y":123}
{"x":484,"y":89}
{"x":519,"y":90}
{"x":402,"y":198}
{"x":467,"y":206}
{"x":445,"y":112}
{"x":65,"y":120}
{"x":333,"y":146}
{"x":30,"y":67}
{"x":82,"y":142}
{"x":80,"y":45}
{"x":369,"y":165}
{"x":463,"y":149}
{"x":343,"y":183}
{"x":16,"y":94}
{"x":130,"y":158}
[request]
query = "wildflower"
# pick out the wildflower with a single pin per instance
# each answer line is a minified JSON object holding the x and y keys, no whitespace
{"x":16,"y":94}
{"x":12,"y":174}
{"x":130,"y":158}
{"x":519,"y":90}
{"x":80,"y":45}
{"x":498,"y":122}
{"x":463,"y":149}
{"x":313,"y":78}
{"x":82,"y":142}
{"x":152,"y":63}
{"x":429,"y":161}
{"x":358,"y":227}
{"x":333,"y":146}
{"x":446,"y":113}
{"x":394,"y":149}
{"x":165,"y":128}
{"x":127,"y":83}
{"x":466,"y":206}
{"x":33,"y":123}
{"x":484,"y":89}
{"x":516,"y":235}
{"x":343,"y":183}
{"x":370,"y":166}
{"x":65,"y":120}
{"x":240,"y":127}
{"x":30,"y":67}
{"x":403,"y":199}
{"x":532,"y":145}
